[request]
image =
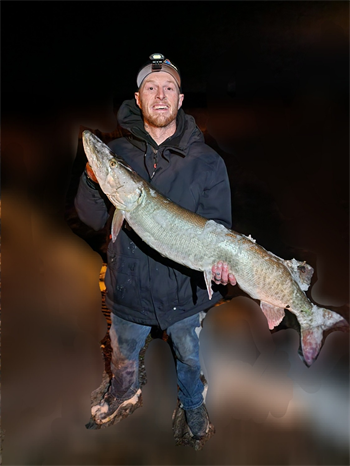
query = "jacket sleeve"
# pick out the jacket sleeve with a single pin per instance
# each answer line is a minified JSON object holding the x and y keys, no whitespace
{"x":215,"y":202}
{"x":91,"y":205}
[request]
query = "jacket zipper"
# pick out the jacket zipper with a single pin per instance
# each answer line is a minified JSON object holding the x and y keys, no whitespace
{"x":155,"y":160}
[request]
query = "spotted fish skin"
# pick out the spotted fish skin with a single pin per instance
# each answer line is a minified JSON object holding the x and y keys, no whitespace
{"x":199,"y":243}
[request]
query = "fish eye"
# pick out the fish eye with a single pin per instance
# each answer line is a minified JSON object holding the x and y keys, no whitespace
{"x":302,"y":268}
{"x":113,"y":163}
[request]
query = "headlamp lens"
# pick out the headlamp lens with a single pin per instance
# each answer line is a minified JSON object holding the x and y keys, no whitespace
{"x":157,"y":60}
{"x":157,"y":57}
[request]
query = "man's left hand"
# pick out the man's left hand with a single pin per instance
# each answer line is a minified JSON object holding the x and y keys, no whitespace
{"x":221,"y":276}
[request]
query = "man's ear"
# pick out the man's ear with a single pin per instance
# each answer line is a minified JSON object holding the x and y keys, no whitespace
{"x":181,"y":99}
{"x":137,"y":98}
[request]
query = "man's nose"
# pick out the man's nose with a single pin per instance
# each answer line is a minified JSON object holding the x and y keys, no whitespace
{"x":160,"y":93}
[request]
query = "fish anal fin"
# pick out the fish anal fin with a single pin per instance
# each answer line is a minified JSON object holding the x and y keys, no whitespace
{"x":117,"y":222}
{"x":207,"y":278}
{"x":273,"y":314}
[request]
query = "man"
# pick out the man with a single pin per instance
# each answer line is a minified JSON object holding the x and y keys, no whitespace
{"x":144,"y":289}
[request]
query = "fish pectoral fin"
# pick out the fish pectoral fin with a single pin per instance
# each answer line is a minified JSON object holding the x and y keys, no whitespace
{"x":207,"y":278}
{"x":117,"y":222}
{"x":273,"y":314}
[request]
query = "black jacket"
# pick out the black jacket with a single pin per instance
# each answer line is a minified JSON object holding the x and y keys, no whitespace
{"x":142,"y":286}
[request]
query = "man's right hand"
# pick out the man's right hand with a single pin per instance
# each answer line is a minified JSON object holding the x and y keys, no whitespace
{"x":220,"y":274}
{"x":90,"y":173}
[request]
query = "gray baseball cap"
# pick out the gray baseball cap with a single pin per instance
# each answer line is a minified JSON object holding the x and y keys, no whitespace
{"x":158,"y":63}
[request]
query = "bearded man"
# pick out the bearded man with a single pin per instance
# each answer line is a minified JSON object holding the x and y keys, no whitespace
{"x":144,"y":290}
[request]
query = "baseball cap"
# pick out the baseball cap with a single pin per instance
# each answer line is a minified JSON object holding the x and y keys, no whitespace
{"x":158,"y":63}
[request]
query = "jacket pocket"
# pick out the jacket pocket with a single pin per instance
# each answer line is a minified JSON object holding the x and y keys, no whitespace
{"x":123,"y":281}
{"x":185,"y":291}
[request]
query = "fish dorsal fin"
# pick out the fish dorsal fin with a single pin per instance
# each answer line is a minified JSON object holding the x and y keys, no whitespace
{"x":207,"y":278}
{"x":117,"y":222}
{"x":273,"y":314}
{"x":301,"y":272}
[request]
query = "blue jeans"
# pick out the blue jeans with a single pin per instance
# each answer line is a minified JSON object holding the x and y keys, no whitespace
{"x":127,"y":340}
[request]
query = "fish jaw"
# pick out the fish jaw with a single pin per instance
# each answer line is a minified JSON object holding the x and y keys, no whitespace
{"x":97,"y":156}
{"x":122,"y":186}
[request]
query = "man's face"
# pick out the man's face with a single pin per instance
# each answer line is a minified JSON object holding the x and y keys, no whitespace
{"x":159,"y":99}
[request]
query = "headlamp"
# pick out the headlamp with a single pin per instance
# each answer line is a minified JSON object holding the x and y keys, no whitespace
{"x":157,"y":60}
{"x":158,"y":63}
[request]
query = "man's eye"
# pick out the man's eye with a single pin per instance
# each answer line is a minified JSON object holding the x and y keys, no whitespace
{"x":170,"y":88}
{"x":150,"y":88}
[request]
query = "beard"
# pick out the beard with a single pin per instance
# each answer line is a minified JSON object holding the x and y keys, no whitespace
{"x":159,"y":120}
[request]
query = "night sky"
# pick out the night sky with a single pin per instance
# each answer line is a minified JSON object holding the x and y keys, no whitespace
{"x":268,"y":83}
{"x":65,"y":67}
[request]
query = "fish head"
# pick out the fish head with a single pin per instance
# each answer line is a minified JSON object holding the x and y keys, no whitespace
{"x":116,"y":178}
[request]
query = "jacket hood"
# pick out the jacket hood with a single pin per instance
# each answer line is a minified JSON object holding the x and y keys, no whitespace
{"x":130,"y":118}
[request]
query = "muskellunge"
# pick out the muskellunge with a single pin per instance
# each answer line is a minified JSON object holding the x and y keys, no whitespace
{"x":198,"y":243}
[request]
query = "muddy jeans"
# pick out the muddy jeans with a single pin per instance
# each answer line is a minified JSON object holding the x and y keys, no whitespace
{"x":127,"y":340}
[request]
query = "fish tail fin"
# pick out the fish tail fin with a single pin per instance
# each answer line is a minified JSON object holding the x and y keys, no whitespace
{"x":312,"y":336}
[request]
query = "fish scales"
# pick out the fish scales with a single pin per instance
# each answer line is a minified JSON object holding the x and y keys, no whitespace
{"x":199,"y":243}
{"x":164,"y":228}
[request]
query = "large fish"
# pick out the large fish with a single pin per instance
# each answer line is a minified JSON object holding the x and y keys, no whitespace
{"x":198,"y":243}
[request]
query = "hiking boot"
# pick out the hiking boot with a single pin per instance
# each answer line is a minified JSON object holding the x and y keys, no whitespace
{"x":112,"y":408}
{"x":198,"y":421}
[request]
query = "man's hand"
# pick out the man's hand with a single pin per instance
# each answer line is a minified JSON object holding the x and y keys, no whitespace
{"x":90,"y":173}
{"x":220,"y":274}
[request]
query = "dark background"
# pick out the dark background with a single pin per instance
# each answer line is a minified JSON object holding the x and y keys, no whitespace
{"x":268,"y":83}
